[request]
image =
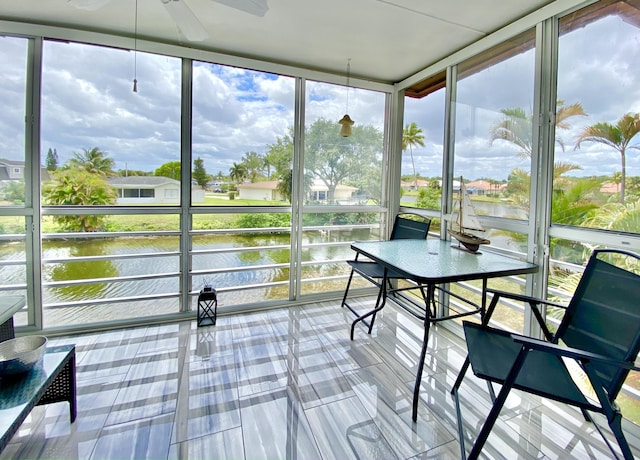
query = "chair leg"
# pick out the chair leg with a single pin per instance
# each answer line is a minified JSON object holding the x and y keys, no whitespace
{"x":463,"y":370}
{"x":497,"y":404}
{"x":616,"y":426}
{"x":489,"y":422}
{"x":454,"y":392}
{"x":346,"y":290}
{"x":380,"y":302}
{"x":611,"y":411}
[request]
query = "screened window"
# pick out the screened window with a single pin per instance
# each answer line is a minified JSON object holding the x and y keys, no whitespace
{"x":599,"y":108}
{"x":13,"y":56}
{"x":493,"y":134}
{"x":343,"y":170}
{"x":95,"y":127}
{"x":423,"y":145}
{"x":242,"y":135}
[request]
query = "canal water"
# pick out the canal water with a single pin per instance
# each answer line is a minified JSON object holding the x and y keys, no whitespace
{"x":154,"y":256}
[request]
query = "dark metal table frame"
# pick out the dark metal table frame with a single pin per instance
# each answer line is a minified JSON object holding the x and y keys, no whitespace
{"x":432,"y":264}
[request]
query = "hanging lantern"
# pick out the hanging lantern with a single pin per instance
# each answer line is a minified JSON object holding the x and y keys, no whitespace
{"x":347,"y":123}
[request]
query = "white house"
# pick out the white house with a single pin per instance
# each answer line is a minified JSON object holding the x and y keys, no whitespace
{"x":342,"y":193}
{"x":268,"y":191}
{"x":265,"y":191}
{"x":134,"y":190}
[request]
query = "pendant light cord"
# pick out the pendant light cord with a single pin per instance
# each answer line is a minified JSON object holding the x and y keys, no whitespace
{"x":135,"y":51}
{"x":348,"y":77}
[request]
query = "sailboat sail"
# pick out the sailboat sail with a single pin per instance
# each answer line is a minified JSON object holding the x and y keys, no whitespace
{"x":466,"y":219}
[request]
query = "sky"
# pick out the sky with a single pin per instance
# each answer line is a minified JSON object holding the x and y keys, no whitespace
{"x":87,"y":101}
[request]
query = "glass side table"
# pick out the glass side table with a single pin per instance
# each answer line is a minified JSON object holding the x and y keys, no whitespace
{"x":52,"y":380}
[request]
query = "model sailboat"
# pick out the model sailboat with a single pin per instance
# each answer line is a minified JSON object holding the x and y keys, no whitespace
{"x":466,"y":220}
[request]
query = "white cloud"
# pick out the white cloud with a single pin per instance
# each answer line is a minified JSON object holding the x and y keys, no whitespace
{"x":87,"y":101}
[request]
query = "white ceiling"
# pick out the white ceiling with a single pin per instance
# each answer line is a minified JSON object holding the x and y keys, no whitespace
{"x":387,"y":40}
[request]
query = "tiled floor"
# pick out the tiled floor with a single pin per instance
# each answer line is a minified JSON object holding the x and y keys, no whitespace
{"x":285,"y":383}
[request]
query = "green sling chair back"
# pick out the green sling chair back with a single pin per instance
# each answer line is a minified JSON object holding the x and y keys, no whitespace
{"x":406,"y":226}
{"x":600,"y":330}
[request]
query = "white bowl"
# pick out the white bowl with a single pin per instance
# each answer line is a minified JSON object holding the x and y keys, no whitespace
{"x":21,"y":354}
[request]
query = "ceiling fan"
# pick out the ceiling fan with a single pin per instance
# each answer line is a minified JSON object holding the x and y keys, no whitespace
{"x":183,"y":16}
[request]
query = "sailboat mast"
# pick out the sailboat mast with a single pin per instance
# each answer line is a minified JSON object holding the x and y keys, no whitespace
{"x":460,"y":204}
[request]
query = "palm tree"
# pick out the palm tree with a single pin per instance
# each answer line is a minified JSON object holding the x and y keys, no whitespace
{"x":616,"y":136}
{"x":520,"y":182}
{"x":563,"y":113}
{"x":412,"y":136}
{"x":254,"y":164}
{"x":285,"y":185}
{"x":237,"y":172}
{"x":617,"y":216}
{"x":516,"y":126}
{"x":93,"y":161}
{"x":572,"y":202}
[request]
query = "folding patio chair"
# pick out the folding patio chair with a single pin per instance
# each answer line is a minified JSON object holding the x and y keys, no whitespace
{"x":600,"y":330}
{"x":406,"y":226}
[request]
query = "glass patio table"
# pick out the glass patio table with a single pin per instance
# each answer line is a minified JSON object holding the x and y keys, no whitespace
{"x":431,"y":264}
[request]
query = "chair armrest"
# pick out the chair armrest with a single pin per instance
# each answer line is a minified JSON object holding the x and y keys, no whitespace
{"x":526,"y":298}
{"x":568,"y":352}
{"x":533,"y":303}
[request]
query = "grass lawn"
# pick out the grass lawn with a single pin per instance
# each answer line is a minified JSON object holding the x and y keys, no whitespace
{"x":149,"y":222}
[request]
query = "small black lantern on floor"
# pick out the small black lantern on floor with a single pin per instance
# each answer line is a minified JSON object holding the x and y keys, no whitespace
{"x":207,"y":306}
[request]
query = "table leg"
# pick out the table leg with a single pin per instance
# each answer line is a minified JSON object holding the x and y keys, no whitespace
{"x":423,"y":352}
{"x":63,"y":387}
{"x":73,"y":405}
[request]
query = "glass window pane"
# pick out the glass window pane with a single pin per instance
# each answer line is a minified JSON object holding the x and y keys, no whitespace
{"x":245,"y":257}
{"x":343,"y":170}
{"x":130,"y":271}
{"x":493,"y":134}
{"x":422,"y":148}
{"x":494,"y":137}
{"x":99,"y":136}
{"x":13,"y":57}
{"x":13,"y":262}
{"x":599,"y":108}
{"x":326,"y":244}
{"x":339,"y":170}
{"x":242,"y":136}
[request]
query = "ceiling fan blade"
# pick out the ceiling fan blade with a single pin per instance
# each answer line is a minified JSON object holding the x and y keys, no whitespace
{"x":186,"y":21}
{"x":89,"y":5}
{"x":255,"y":7}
